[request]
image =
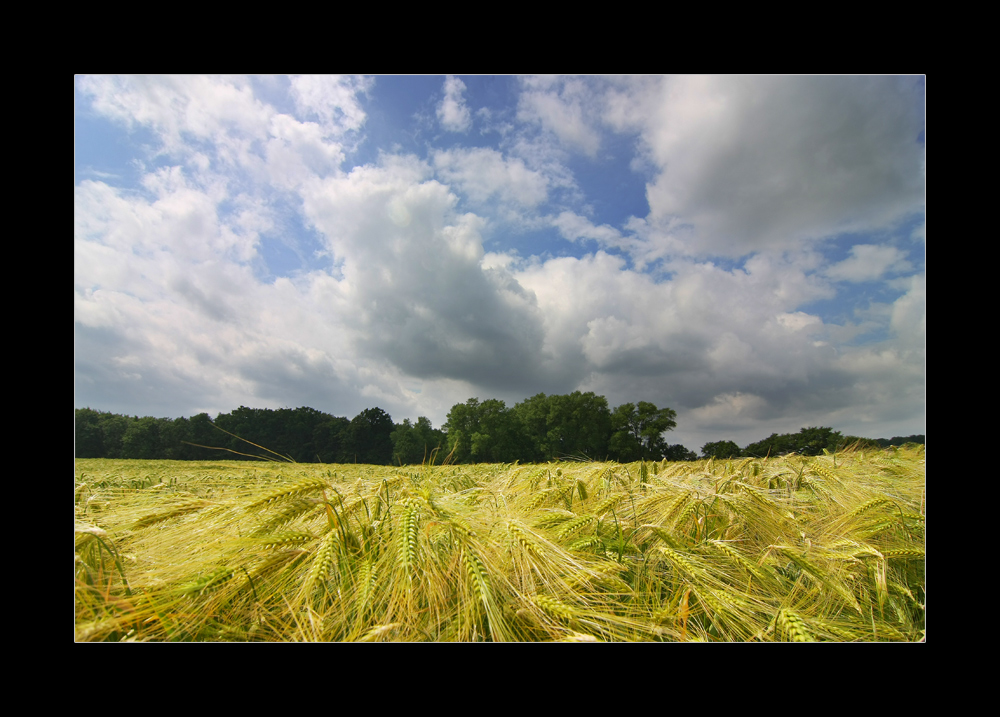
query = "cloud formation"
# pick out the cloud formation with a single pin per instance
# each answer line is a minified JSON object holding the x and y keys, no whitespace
{"x":452,"y":112}
{"x":245,"y":256}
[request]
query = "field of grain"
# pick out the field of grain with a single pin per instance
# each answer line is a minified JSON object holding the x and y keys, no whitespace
{"x":826,"y":548}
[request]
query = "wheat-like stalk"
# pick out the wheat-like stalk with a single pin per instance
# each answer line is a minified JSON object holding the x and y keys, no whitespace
{"x":322,"y":562}
{"x":554,"y":607}
{"x":575,"y":525}
{"x":378,"y":632}
{"x":296,"y":508}
{"x":904,"y":554}
{"x":665,"y":536}
{"x":188,"y":506}
{"x":284,"y":539}
{"x":689,"y":551}
{"x":793,"y":626}
{"x":301,"y":487}
{"x":872,"y":530}
{"x":603,"y":506}
{"x":761,"y":572}
{"x":537,"y":500}
{"x":820,"y":575}
{"x":676,"y":507}
{"x":867,"y":506}
{"x":408,"y":538}
{"x":478,"y":575}
{"x":588,"y":543}
{"x":209,"y":582}
{"x":683,"y":563}
{"x":554,"y":517}
{"x":526,"y":539}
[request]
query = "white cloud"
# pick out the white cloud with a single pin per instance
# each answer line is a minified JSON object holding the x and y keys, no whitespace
{"x":297,"y":151}
{"x":220,"y":110}
{"x":561,"y":107}
{"x":766,"y":162}
{"x":176,"y":302}
{"x":869,"y":262}
{"x":574,"y":227}
{"x":909,"y":316}
{"x":705,"y":332}
{"x":452,"y":111}
{"x":736,"y":410}
{"x":418,"y":292}
{"x":482,"y":174}
{"x":798,"y":321}
{"x":333,"y":99}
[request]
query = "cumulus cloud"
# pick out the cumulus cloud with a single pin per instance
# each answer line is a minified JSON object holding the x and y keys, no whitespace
{"x":731,"y":411}
{"x":452,"y":111}
{"x":482,"y":174}
{"x":869,"y":262}
{"x":296,"y":151}
{"x":747,"y":163}
{"x":333,"y":99}
{"x":909,"y":315}
{"x":574,"y":227}
{"x":561,"y":107}
{"x":420,"y":297}
{"x":759,"y":163}
{"x":715,"y":303}
{"x":219,"y":110}
{"x":705,"y":333}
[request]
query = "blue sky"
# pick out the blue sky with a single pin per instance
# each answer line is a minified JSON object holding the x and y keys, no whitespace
{"x":746,"y":250}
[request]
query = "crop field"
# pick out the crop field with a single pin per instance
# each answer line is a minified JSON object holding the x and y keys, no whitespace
{"x":785,"y":549}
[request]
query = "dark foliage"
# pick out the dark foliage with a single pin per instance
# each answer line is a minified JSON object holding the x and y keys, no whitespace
{"x":577,"y":426}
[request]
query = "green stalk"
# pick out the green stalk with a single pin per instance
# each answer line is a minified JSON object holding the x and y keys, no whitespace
{"x":118,"y":564}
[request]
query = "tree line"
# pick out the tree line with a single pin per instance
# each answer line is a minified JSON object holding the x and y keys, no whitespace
{"x":542,"y":428}
{"x":539,"y":429}
{"x":807,"y":442}
{"x":303,"y":435}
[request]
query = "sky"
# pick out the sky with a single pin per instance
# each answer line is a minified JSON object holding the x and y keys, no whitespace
{"x":746,"y":250}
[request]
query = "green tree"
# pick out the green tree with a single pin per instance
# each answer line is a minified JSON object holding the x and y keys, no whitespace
{"x":89,"y":438}
{"x":773,"y":445}
{"x":201,"y":431}
{"x":370,"y":437}
{"x":141,"y":439}
{"x":558,"y":426}
{"x":459,"y":426}
{"x":637,"y":431}
{"x":415,"y":443}
{"x":900,"y":440}
{"x":295,"y":432}
{"x":679,"y":453}
{"x":246,"y":426}
{"x":720,"y":449}
{"x":331,"y":437}
{"x":808,"y":441}
{"x":485,"y":432}
{"x":173,"y":434}
{"x":862,"y":443}
{"x":501,"y":437}
{"x":113,"y":427}
{"x":533,"y":414}
{"x":813,"y":441}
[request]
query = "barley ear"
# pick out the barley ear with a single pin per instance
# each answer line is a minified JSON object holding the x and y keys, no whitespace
{"x":793,"y":626}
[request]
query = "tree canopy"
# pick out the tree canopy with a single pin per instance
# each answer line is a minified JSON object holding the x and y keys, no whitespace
{"x":637,"y":431}
{"x":575,"y":426}
{"x":416,"y":443}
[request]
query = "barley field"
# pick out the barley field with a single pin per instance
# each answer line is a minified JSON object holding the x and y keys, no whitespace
{"x":788,"y":549}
